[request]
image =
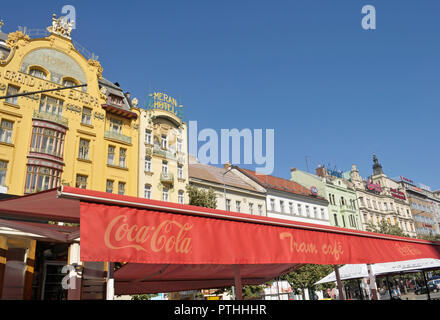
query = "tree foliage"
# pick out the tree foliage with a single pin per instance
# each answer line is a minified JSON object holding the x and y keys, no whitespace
{"x":385,"y":227}
{"x":201,"y":198}
{"x":308,"y":275}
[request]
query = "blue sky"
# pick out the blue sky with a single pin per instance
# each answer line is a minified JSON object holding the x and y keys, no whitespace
{"x":331,"y":90}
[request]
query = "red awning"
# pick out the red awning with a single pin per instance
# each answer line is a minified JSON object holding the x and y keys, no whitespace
{"x":138,"y":278}
{"x":48,"y":232}
{"x":172,"y":247}
{"x":45,"y":206}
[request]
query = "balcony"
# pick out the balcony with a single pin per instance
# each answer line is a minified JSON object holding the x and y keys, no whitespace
{"x":41,"y":115}
{"x":166,"y":178}
{"x":164,"y":153}
{"x":346,"y":209}
{"x":117,"y":136}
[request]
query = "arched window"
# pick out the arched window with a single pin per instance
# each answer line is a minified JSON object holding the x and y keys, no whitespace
{"x":69,"y":82}
{"x":38,"y":72}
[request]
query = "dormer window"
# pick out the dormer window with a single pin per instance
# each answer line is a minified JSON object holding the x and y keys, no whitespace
{"x":38,"y":73}
{"x":115,"y":100}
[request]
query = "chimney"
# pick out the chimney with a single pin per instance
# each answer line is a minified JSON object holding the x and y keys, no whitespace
{"x":292,"y":169}
{"x":321,"y":172}
{"x":227,"y":165}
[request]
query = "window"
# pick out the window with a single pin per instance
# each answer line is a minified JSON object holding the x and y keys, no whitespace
{"x":3,"y":169}
{"x":147,"y":191}
{"x":260,"y":209}
{"x":375,"y":204}
{"x":307,"y":211}
{"x":6,"y":131}
{"x":115,"y":125}
{"x":330,"y":198}
{"x":41,"y":178}
{"x":343,"y":221}
{"x":368,"y":203}
{"x":115,"y":99}
{"x":109,"y":186}
{"x":69,"y":83}
{"x":362,"y":201}
{"x":179,"y":145}
{"x":228,"y":205}
{"x":111,"y":155}
{"x":335,"y":217}
{"x":121,"y":187}
{"x":148,"y":137}
{"x":37,"y":72}
{"x":164,"y":142}
{"x":272,"y":204}
{"x":51,"y":105}
{"x":315,"y":212}
{"x":122,"y":156}
{"x":385,"y":206}
{"x":165,"y":168}
{"x":290,"y":207}
{"x":81,"y":181}
{"x":281,"y":206}
{"x":86,"y":117}
{"x":322,"y":213}
{"x":47,"y":141}
{"x":148,"y":164}
{"x":165,"y":194}
{"x":299,"y":209}
{"x":237,"y":205}
{"x":12,"y":91}
{"x":180,"y":171}
{"x":180,"y":197}
{"x":251,"y":208}
{"x":83,"y":149}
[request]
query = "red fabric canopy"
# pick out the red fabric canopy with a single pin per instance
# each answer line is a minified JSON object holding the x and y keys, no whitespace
{"x":172,"y":247}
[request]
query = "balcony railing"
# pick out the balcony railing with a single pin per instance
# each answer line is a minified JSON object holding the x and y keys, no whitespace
{"x":164,"y":153}
{"x":166,"y":177}
{"x":346,"y":208}
{"x":117,"y":136}
{"x":41,"y":115}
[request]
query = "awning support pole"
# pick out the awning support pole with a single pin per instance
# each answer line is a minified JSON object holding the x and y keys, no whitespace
{"x":110,"y":295}
{"x":389,"y":288}
{"x":237,"y":280}
{"x":338,"y":280}
{"x":372,"y":279}
{"x":360,"y":289}
{"x":426,"y":284}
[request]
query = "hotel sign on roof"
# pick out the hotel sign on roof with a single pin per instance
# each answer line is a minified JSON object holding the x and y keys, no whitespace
{"x":162,"y":101}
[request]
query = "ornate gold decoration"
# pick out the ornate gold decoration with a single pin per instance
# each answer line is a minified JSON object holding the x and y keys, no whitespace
{"x":97,"y":65}
{"x":14,"y":37}
{"x":61,"y":26}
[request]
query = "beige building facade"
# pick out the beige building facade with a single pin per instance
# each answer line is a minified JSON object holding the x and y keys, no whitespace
{"x":381,"y":198}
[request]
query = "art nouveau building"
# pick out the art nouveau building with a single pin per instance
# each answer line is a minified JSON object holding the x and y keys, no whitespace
{"x":381,"y":198}
{"x":163,"y":157}
{"x":85,"y":137}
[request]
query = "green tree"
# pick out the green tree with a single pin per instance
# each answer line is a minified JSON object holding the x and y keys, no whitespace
{"x":201,"y":198}
{"x":385,"y":227}
{"x":306,"y":277}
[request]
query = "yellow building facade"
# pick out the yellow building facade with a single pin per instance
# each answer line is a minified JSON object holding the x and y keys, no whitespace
{"x":163,"y":172}
{"x":86,"y":137}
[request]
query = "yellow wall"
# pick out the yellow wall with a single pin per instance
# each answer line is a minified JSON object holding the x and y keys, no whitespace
{"x":16,"y":152}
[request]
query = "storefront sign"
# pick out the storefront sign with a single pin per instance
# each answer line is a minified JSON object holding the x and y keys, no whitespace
{"x":406,"y":180}
{"x":374,"y":187}
{"x":397,"y":194}
{"x":314,"y":190}
{"x":162,"y":101}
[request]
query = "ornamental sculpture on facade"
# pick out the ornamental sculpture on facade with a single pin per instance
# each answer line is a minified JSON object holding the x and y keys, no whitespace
{"x":61,"y":26}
